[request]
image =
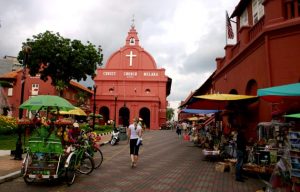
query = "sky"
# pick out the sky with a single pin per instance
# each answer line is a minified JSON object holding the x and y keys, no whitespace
{"x":183,"y":36}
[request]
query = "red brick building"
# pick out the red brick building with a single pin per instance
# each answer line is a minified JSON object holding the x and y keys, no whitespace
{"x":266,"y":54}
{"x":131,"y":85}
{"x":11,"y":96}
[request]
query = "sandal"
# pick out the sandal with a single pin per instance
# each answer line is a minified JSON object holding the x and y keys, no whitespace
{"x":132,"y":164}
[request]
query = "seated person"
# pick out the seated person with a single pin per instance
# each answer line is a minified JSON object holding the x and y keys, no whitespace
{"x":74,"y":133}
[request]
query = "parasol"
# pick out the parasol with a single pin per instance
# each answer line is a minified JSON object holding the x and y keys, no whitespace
{"x":75,"y":111}
{"x":45,"y":101}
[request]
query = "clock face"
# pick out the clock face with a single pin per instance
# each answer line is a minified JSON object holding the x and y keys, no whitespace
{"x":131,"y":41}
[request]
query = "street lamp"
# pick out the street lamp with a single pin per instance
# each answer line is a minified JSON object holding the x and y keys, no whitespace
{"x":18,"y":152}
{"x":116,"y":97}
{"x":94,"y":107}
{"x":26,"y":50}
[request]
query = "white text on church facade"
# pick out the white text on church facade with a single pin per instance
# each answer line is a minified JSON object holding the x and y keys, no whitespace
{"x":109,"y":73}
{"x":151,"y":74}
{"x":130,"y":74}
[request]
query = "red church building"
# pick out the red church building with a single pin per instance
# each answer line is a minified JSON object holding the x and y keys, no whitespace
{"x":131,"y":85}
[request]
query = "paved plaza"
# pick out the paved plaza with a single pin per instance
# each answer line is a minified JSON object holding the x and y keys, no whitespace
{"x":167,"y":163}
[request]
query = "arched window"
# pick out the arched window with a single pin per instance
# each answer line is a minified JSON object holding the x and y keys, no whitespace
{"x":251,"y":88}
{"x":233,"y":91}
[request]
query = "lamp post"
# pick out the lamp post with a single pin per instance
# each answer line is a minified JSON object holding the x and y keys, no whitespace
{"x":94,"y":107}
{"x":116,"y":97}
{"x":18,"y":152}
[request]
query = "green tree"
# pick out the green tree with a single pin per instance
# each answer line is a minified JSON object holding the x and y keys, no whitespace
{"x":60,"y":58}
{"x":81,"y":98}
{"x":170,"y":113}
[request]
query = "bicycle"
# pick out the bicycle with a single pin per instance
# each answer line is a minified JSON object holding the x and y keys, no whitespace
{"x":78,"y":161}
{"x":93,"y":148}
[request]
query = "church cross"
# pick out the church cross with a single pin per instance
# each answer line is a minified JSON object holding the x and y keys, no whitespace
{"x":130,"y":58}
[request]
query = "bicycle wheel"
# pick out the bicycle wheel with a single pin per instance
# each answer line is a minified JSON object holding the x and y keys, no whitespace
{"x":71,"y":171}
{"x":28,"y":180}
{"x":86,"y":165}
{"x":97,"y":157}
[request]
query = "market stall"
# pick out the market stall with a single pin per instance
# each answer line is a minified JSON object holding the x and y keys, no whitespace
{"x":220,"y":132}
{"x":286,"y":173}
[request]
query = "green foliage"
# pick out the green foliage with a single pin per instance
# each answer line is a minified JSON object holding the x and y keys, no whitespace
{"x":8,"y":125}
{"x":103,"y":128}
{"x":5,"y":84}
{"x":98,"y":128}
{"x":170,"y":113}
{"x":8,"y":142}
{"x":60,"y":58}
{"x":81,"y":97}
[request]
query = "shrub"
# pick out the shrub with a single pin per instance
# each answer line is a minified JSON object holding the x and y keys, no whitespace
{"x":8,"y":125}
{"x":98,"y":128}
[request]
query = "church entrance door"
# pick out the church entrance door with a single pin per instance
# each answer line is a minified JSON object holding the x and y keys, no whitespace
{"x":145,"y":115}
{"x":104,"y":111}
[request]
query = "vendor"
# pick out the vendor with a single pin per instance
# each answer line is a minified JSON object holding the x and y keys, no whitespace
{"x":240,"y":153}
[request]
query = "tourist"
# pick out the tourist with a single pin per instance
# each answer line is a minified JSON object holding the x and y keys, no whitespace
{"x":178,"y":129}
{"x":134,"y":135}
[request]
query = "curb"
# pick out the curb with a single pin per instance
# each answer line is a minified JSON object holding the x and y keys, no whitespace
{"x":10,"y":176}
{"x":104,"y":143}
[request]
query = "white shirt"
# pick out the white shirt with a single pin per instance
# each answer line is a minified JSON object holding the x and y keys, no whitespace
{"x":133,"y":131}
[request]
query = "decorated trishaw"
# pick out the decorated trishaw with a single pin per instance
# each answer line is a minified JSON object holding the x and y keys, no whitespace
{"x":48,"y":155}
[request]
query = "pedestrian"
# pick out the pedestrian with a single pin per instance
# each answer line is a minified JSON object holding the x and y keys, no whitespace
{"x":178,"y":130}
{"x":240,"y":153}
{"x":134,"y":136}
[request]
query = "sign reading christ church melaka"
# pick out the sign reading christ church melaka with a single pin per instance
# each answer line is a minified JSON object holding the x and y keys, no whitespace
{"x":131,"y":74}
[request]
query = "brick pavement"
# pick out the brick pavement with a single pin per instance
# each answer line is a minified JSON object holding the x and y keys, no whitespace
{"x":166,"y":164}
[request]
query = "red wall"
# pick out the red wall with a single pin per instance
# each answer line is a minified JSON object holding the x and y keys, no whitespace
{"x":267,"y":53}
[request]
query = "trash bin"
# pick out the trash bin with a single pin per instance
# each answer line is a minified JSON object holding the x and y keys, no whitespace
{"x":122,"y":134}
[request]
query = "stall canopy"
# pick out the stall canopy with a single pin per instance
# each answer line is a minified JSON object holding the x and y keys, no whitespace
{"x":199,"y":111}
{"x":279,"y":93}
{"x":220,"y":101}
{"x":296,"y":115}
{"x":226,"y":97}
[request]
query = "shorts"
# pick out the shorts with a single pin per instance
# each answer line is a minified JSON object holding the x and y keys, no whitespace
{"x":134,"y":149}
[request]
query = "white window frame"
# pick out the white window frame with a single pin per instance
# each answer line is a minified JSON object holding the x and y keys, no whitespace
{"x":244,"y":18}
{"x":34,"y":86}
{"x":257,"y":10}
{"x":10,"y":91}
